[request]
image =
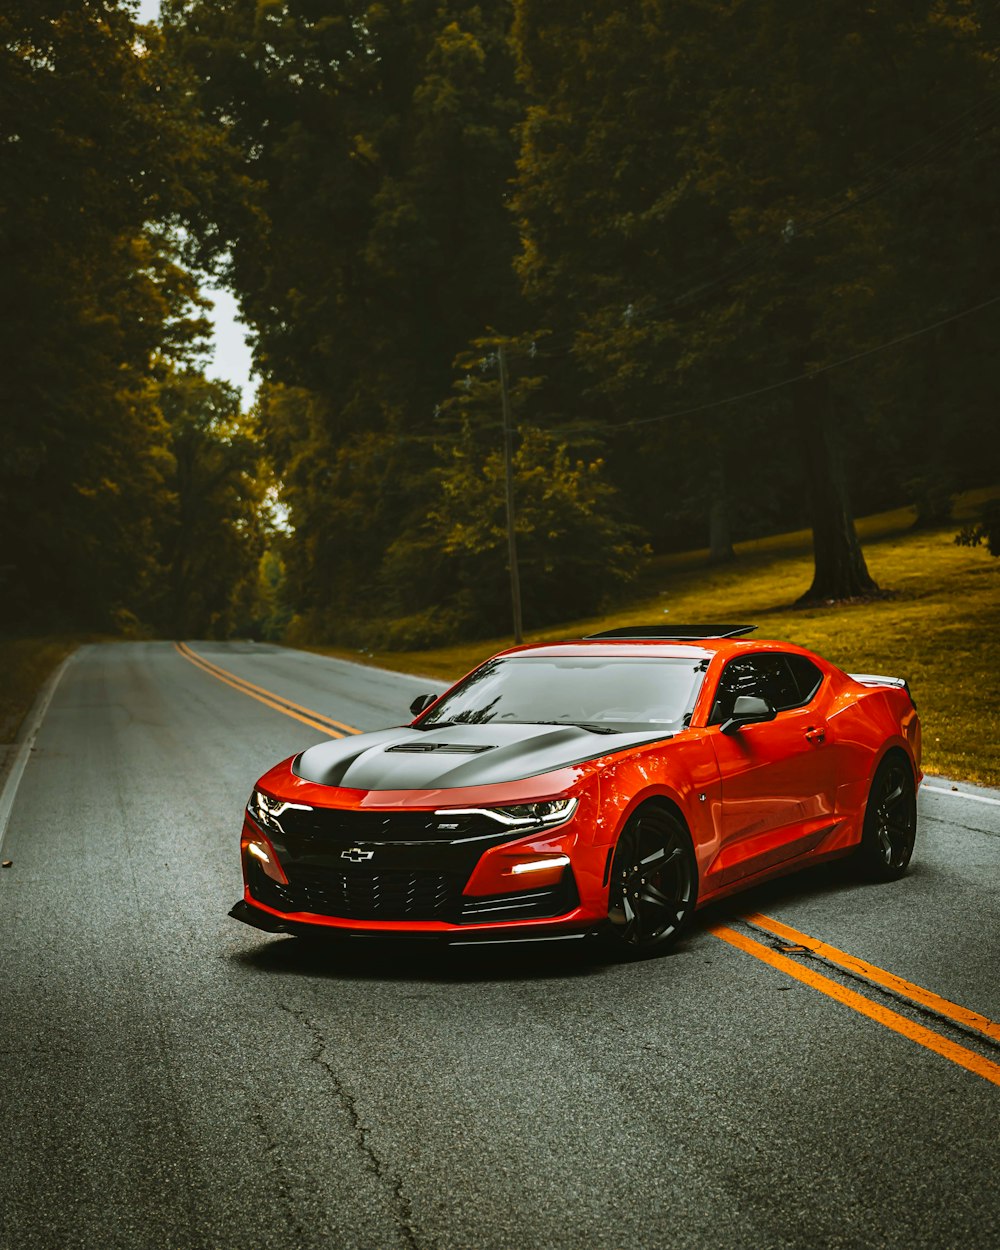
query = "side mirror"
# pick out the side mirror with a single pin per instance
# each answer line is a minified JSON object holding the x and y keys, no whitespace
{"x":421,"y":703}
{"x":747,"y":710}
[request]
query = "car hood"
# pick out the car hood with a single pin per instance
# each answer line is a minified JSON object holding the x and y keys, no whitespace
{"x":457,"y":755}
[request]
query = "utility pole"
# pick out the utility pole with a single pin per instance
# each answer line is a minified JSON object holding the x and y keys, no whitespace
{"x":508,"y":462}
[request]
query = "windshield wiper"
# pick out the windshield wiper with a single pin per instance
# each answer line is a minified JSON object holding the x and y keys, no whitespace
{"x":594,"y":727}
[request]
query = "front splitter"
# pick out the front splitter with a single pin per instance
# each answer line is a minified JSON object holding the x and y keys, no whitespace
{"x":268,"y":923}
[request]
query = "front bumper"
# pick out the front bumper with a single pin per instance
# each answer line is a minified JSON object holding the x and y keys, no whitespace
{"x":559,"y":928}
{"x":355,"y":871}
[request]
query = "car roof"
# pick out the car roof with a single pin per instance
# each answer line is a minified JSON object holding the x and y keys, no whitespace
{"x":659,"y":648}
{"x":583,"y":647}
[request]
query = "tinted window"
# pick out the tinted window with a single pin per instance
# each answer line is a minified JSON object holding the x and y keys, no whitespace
{"x":785,"y":681}
{"x":807,"y":676}
{"x":780,"y":689}
{"x":740,"y":676}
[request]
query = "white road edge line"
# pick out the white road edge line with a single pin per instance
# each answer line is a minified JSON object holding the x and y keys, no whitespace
{"x":36,"y":716}
{"x":960,"y":794}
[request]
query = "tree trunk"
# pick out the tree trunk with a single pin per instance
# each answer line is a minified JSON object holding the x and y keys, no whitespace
{"x":720,"y":542}
{"x":840,"y":570}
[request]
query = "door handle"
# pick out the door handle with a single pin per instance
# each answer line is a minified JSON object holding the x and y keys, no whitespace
{"x":816,"y":735}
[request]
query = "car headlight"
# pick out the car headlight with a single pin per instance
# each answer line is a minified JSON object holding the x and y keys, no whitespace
{"x":268,"y":811}
{"x":521,"y":815}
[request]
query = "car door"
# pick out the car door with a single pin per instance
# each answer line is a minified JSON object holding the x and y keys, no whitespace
{"x":777,"y":777}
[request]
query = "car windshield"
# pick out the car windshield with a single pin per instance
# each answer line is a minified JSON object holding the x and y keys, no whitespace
{"x":606,"y":694}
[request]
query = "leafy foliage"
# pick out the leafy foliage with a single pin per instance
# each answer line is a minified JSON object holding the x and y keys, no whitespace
{"x":743,"y":259}
{"x":732,"y":194}
{"x":574,"y":548}
{"x":214,"y":543}
{"x":378,"y":141}
{"x":984,"y":530}
{"x":91,"y":299}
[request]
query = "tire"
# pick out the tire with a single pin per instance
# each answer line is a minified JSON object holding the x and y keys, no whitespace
{"x":653,"y":886}
{"x":890,"y":824}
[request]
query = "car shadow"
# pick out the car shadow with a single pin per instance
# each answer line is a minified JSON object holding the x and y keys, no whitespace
{"x":402,"y":960}
{"x":837,"y":879}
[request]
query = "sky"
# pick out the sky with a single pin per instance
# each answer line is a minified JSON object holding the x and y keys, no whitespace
{"x":230,"y":358}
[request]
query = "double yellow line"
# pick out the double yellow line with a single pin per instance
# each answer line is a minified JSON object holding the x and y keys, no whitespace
{"x":797,"y":943}
{"x":315,"y":720}
{"x":803,"y":944}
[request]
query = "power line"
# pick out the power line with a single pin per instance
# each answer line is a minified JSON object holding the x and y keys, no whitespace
{"x":868,"y":188}
{"x":897,"y":169}
{"x":596,"y":429}
{"x":812,"y":373}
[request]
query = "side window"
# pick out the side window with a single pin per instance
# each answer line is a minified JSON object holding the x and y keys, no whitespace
{"x":740,"y":676}
{"x":778,"y":685}
{"x":785,"y":681}
{"x":807,"y":677}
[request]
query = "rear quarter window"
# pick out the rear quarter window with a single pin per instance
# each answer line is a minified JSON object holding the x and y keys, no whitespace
{"x":808,"y":678}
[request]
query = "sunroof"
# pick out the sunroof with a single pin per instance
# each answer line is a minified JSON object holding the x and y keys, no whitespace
{"x":674,"y":633}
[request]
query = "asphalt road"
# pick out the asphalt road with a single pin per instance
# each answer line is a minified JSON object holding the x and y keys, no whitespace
{"x":170,"y":1078}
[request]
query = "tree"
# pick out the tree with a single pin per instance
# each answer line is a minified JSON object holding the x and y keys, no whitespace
{"x":93,"y":146}
{"x":733,"y":219}
{"x":802,"y":160}
{"x":213,"y":547}
{"x":574,"y":548}
{"x":723,"y":192}
{"x":614,"y":231}
{"x":369,"y":243}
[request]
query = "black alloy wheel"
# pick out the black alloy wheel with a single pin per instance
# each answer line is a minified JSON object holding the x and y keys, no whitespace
{"x":653,"y":884}
{"x":890,"y":827}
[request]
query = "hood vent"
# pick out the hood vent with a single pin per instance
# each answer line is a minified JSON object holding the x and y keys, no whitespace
{"x":451,"y":748}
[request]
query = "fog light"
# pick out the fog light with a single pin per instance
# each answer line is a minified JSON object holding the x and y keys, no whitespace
{"x":539,"y":865}
{"x":256,"y":846}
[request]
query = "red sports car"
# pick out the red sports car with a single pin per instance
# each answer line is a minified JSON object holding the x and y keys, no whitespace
{"x":609,"y":785}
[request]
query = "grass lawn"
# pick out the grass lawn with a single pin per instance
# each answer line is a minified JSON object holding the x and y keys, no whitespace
{"x":25,"y":664}
{"x":939,"y":630}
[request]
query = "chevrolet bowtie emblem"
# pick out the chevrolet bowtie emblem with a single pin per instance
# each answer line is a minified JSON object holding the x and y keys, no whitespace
{"x":356,"y":854}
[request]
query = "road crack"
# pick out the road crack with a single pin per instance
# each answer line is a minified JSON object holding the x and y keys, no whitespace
{"x":944,"y":1023}
{"x":391,"y":1182}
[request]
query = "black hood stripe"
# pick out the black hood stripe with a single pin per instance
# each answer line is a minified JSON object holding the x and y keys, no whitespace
{"x":486,"y":755}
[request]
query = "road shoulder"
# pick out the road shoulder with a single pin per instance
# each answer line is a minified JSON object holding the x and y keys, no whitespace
{"x":16,"y":754}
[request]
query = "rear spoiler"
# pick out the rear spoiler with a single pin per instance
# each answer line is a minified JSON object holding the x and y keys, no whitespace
{"x":873,"y":679}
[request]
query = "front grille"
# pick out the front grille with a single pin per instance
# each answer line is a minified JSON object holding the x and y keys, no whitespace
{"x":362,"y":894}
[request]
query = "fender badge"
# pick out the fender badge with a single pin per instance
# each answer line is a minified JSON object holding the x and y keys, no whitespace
{"x":356,"y":855}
